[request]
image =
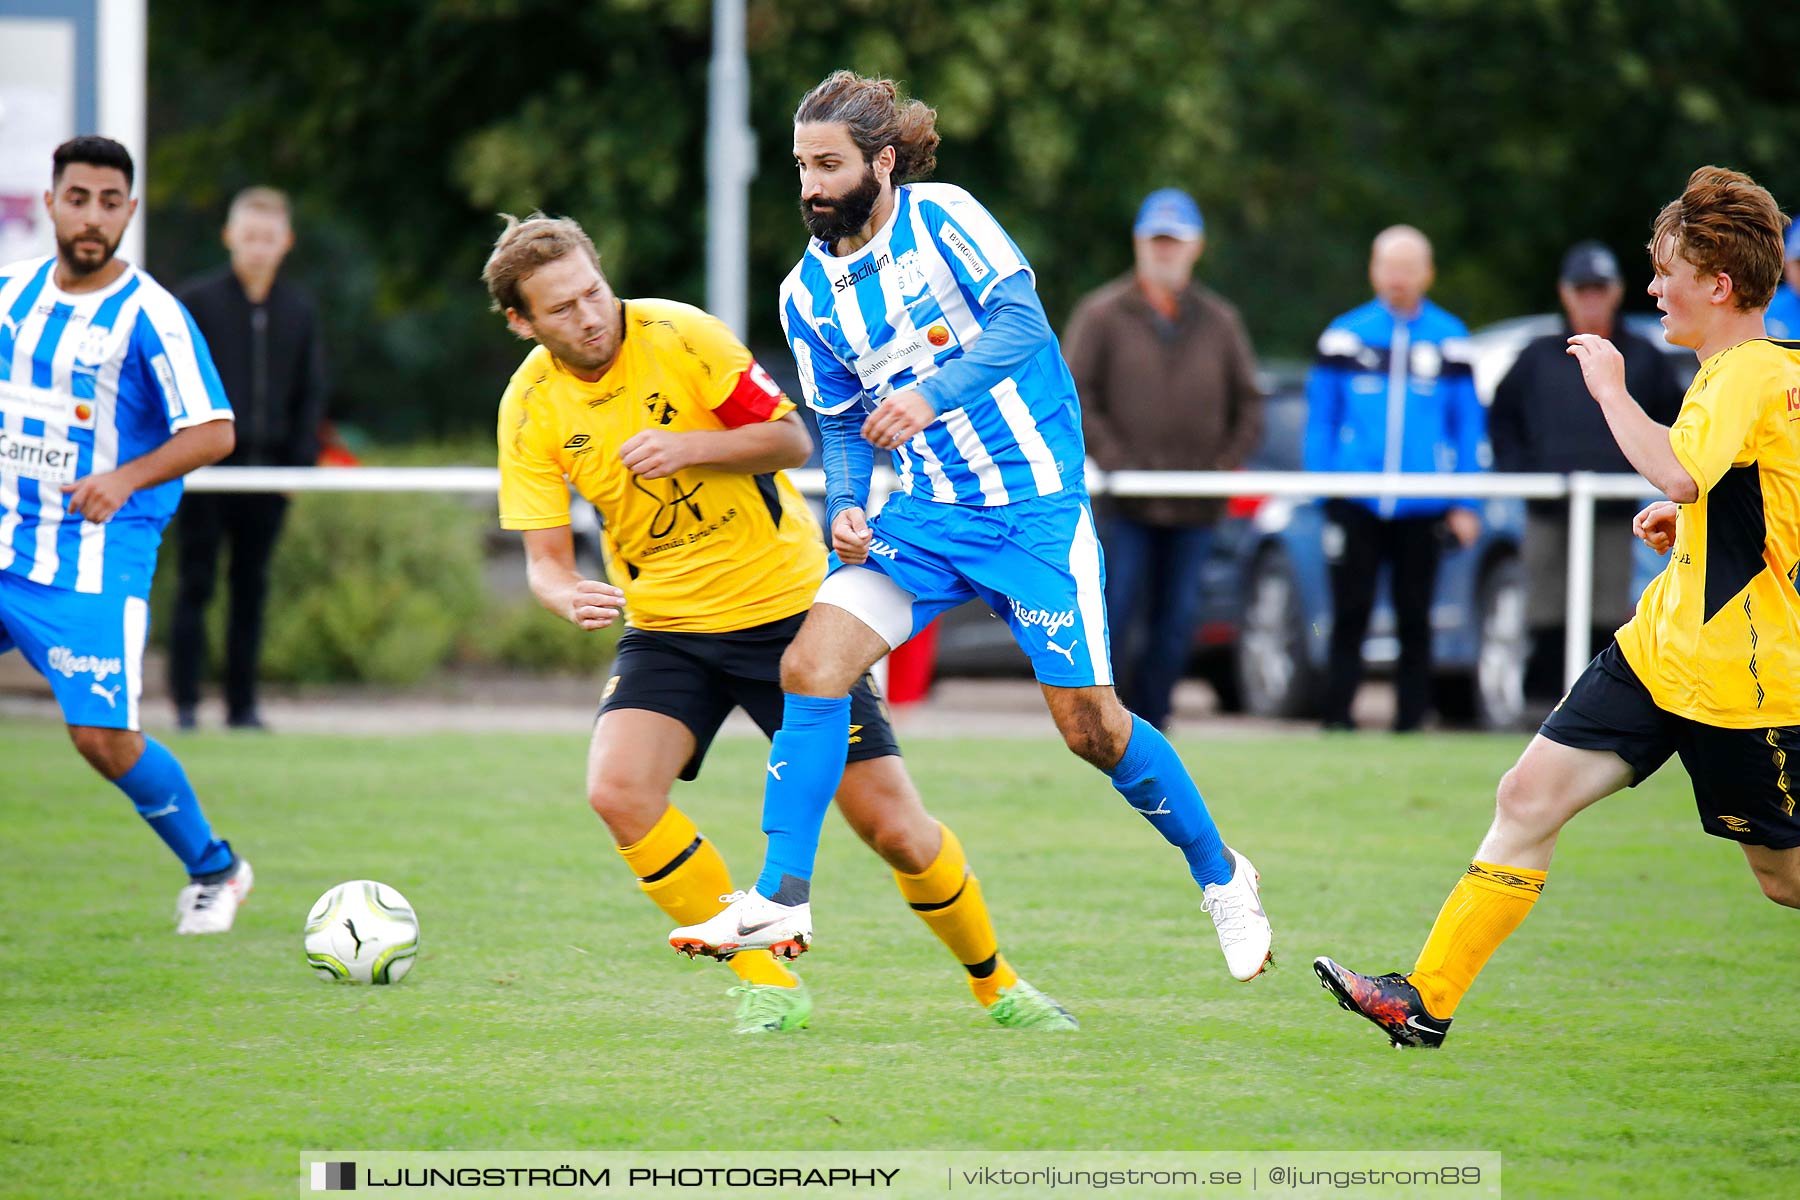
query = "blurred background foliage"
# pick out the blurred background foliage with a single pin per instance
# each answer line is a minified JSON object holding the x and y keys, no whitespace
{"x":1505,"y":131}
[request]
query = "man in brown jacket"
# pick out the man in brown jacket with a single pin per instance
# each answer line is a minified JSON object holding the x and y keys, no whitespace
{"x":1168,"y":383}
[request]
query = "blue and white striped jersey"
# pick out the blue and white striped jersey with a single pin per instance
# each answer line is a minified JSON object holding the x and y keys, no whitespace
{"x":89,"y":382}
{"x":895,"y":313}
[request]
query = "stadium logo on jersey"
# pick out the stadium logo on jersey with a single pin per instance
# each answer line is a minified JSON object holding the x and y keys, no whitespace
{"x":68,"y":664}
{"x":960,"y":247}
{"x":866,"y":269}
{"x":938,"y":336}
{"x":1050,"y":622}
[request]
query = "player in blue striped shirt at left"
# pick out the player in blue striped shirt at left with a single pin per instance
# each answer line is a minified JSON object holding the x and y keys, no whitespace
{"x":916,"y":326}
{"x":108,"y":397}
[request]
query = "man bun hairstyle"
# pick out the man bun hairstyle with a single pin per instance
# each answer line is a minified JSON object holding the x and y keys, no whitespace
{"x":1725,"y":223}
{"x":92,"y":151}
{"x":525,"y":247}
{"x":875,"y":114}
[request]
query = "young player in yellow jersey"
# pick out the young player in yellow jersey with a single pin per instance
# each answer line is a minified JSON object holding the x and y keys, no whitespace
{"x":660,"y":417}
{"x":1707,"y":667}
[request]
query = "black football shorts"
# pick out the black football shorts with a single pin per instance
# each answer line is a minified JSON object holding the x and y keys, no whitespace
{"x":698,"y":678}
{"x":1745,"y":780}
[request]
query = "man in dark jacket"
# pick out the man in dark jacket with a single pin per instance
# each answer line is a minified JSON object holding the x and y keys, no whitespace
{"x":264,"y":335}
{"x":1168,"y":383}
{"x":1542,"y":419}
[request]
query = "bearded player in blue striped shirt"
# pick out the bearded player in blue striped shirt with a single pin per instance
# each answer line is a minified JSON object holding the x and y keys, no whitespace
{"x":916,"y":327}
{"x":108,"y":397}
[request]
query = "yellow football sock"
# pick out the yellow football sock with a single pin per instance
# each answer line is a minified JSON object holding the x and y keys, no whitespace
{"x":947,"y":897}
{"x":1486,"y":905}
{"x":684,"y":873}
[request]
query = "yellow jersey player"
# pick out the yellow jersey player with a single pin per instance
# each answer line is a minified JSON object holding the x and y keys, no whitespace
{"x":660,"y":417}
{"x":1706,"y":668}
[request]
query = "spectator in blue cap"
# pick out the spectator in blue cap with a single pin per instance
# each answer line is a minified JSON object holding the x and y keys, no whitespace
{"x":1168,"y":383}
{"x":1783,"y":317}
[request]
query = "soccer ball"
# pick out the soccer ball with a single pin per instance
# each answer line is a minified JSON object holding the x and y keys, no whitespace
{"x":362,"y":932}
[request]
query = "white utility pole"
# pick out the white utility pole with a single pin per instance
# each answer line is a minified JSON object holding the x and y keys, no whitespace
{"x":730,"y":166}
{"x":123,"y":52}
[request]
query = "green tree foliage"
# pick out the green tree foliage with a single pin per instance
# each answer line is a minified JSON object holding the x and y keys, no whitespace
{"x":1506,"y":131}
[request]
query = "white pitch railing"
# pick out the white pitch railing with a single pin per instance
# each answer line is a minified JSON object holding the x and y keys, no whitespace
{"x":1581,"y":490}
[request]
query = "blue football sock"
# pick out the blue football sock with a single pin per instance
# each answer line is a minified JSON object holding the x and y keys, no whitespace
{"x":165,"y":799}
{"x":806,"y":763}
{"x":1153,"y":780}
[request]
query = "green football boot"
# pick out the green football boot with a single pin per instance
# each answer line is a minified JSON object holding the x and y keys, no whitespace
{"x":765,"y":1008}
{"x":1022,"y":1006}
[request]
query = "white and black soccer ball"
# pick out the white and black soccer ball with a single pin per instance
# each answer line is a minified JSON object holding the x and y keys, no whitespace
{"x":362,"y":932}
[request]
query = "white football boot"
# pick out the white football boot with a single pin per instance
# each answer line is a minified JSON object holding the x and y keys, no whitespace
{"x":212,"y":907}
{"x":1237,"y":913}
{"x":748,"y":922}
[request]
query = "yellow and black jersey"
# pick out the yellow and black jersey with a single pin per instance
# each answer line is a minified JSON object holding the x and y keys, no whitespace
{"x":1716,"y":637}
{"x":702,"y":551}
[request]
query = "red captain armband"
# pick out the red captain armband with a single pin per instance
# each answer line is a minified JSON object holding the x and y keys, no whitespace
{"x":753,"y":401}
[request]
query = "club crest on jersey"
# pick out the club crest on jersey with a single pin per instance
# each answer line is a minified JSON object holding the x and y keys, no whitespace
{"x":95,"y":349}
{"x":909,"y":273}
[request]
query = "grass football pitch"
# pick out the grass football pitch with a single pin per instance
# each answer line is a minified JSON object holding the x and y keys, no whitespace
{"x":1635,"y":1037}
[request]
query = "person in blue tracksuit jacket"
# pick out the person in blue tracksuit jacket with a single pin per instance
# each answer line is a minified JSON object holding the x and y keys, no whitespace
{"x":1391,"y":392}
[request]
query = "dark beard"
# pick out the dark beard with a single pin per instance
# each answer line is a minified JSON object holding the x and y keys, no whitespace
{"x":848,"y":213}
{"x":65,"y":251}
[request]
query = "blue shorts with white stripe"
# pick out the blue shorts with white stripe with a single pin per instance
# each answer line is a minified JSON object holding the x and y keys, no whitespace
{"x":1036,"y":563}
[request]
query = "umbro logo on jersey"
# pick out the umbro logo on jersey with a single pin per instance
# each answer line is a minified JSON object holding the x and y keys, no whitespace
{"x":578,"y":442}
{"x":1735,"y":824}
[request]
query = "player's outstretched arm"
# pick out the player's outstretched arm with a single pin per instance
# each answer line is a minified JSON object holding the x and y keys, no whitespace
{"x":97,"y":497}
{"x":559,"y":587}
{"x":748,"y":449}
{"x":1645,"y":443}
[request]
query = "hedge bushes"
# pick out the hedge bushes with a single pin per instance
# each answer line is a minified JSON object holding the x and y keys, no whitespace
{"x":390,"y":589}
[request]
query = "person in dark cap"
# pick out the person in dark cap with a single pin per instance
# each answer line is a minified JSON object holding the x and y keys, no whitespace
{"x":1168,"y":383}
{"x":1542,"y":419}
